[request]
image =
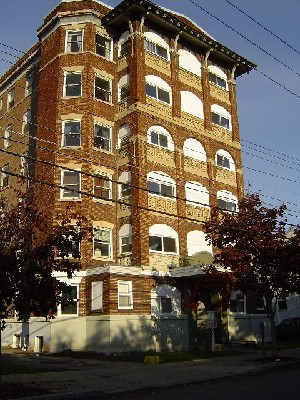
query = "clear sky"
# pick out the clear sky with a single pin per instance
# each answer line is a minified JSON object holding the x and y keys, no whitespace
{"x":267,"y":110}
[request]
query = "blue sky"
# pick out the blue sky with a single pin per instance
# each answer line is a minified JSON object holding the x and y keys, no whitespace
{"x":267,"y":110}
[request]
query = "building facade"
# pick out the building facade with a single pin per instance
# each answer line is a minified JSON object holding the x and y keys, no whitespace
{"x":129,"y":116}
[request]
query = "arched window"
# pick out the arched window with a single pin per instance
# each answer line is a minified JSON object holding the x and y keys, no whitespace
{"x":224,"y":160}
{"x":227,"y":201}
{"x":161,"y":184}
{"x":158,"y":89}
{"x":125,"y":239}
{"x":123,"y":136}
{"x":194,"y":149}
{"x":123,"y":42}
{"x":190,"y":103}
{"x":196,"y":194}
{"x":125,"y":184}
{"x":156,"y":45}
{"x":163,"y":239}
{"x":189,"y":62}
{"x":220,"y":116}
{"x":196,"y":243}
{"x":159,"y":136}
{"x":123,"y":88}
{"x":165,"y":299}
{"x":217,"y":77}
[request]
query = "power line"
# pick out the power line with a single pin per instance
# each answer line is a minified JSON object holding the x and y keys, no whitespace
{"x":263,"y":27}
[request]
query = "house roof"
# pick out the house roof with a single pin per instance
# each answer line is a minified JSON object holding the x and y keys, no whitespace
{"x":177,"y":24}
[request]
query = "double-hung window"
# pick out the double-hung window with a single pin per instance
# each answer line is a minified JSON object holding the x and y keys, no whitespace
{"x":125,"y":297}
{"x":213,"y":78}
{"x":102,"y":88}
{"x":220,"y":120}
{"x":161,"y":188}
{"x":159,"y":139}
{"x":157,"y":93}
{"x":74,"y":41}
{"x":223,"y":161}
{"x":7,"y":136}
{"x":73,"y":84}
{"x":126,"y":244}
{"x":102,"y":186}
{"x":70,"y":180}
{"x":156,"y":49}
{"x":69,"y":246}
{"x":24,"y":165}
{"x":102,"y":137}
{"x":11,"y":99}
{"x":124,"y":92}
{"x":103,"y":46}
{"x":162,"y":244}
{"x":226,"y":204}
{"x":102,"y":243}
{"x":69,"y":301}
{"x":26,"y":122}
{"x":5,"y":176}
{"x":29,"y":82}
{"x":71,"y":133}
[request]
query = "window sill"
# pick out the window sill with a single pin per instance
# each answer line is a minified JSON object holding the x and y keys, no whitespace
{"x":102,"y":258}
{"x":219,"y":87}
{"x":70,"y":199}
{"x":160,"y":101}
{"x":162,"y":197}
{"x":163,"y":253}
{"x":157,"y":55}
{"x":109,"y":103}
{"x":102,"y":201}
{"x":72,"y":147}
{"x":102,"y":150}
{"x":71,"y":97}
{"x":223,"y":127}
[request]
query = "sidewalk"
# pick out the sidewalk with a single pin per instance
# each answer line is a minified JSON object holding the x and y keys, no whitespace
{"x":70,"y":378}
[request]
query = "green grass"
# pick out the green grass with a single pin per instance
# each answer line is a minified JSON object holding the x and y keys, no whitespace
{"x":9,"y":368}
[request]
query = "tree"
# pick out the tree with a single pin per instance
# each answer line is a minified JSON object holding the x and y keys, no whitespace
{"x":255,"y":254}
{"x":30,"y":250}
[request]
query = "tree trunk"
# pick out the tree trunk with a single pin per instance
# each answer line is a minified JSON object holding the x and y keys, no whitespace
{"x":271,"y":317}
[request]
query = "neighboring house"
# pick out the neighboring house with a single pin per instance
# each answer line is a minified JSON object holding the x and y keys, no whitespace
{"x":134,"y":109}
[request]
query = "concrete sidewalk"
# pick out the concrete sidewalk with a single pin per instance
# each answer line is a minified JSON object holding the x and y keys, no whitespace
{"x":70,"y":378}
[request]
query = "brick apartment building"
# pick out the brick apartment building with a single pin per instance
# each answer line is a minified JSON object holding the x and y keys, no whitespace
{"x":134,"y":111}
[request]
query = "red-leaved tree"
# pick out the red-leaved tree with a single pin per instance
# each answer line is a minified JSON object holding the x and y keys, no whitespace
{"x":255,"y":254}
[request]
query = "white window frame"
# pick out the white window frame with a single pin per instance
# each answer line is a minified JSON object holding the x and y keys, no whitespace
{"x":107,"y":142}
{"x":66,"y":74}
{"x":7,"y":136}
{"x":107,"y":49}
{"x":107,"y":178}
{"x":69,"y":43}
{"x":65,"y":135}
{"x":154,"y":42}
{"x":106,"y":93}
{"x":159,"y":131}
{"x":124,"y":136}
{"x":99,"y":241}
{"x":26,"y":124}
{"x":11,"y":98}
{"x":24,"y":167}
{"x":163,"y":232}
{"x":5,"y":176}
{"x":164,"y":292}
{"x":223,"y":122}
{"x":239,"y":298}
{"x":161,"y":180}
{"x":217,"y":77}
{"x":224,"y":155}
{"x":29,"y":83}
{"x":158,"y":90}
{"x":228,"y":198}
{"x":125,"y":184}
{"x":73,"y":243}
{"x":74,"y":195}
{"x":196,"y":194}
{"x":126,"y":294}
{"x":125,"y":239}
{"x":96,"y":295}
